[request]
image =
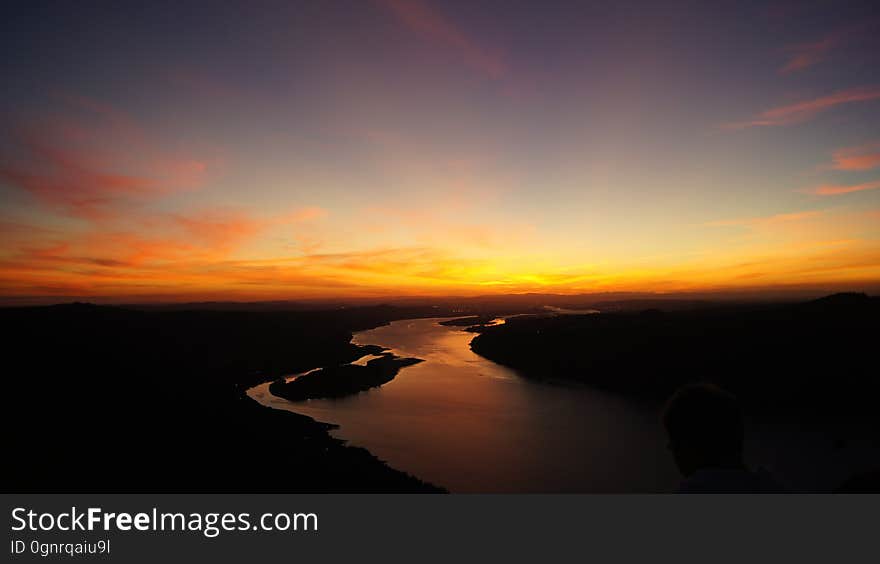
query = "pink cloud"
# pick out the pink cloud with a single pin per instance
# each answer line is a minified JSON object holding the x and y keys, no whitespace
{"x":864,"y":157}
{"x":218,"y":230}
{"x":430,"y":24}
{"x":805,"y":55}
{"x":65,"y":182}
{"x":803,"y":111}
{"x":90,"y":168}
{"x":836,"y":190}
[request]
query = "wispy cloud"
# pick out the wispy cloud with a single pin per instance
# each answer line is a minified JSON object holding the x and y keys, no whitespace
{"x":766,"y":220}
{"x":218,"y":230}
{"x":424,"y":20}
{"x":308,"y":213}
{"x":162,"y":265}
{"x":87,"y":168}
{"x":802,"y":111}
{"x":67,"y":184}
{"x":805,"y":55}
{"x":838,"y":189}
{"x":862,"y":157}
{"x":143,"y":248}
{"x":105,"y":171}
{"x":835,"y":44}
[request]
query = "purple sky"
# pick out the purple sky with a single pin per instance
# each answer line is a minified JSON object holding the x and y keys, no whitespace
{"x":274,"y":150}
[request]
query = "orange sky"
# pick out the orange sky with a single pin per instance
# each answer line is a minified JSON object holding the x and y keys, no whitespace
{"x":423,"y":149}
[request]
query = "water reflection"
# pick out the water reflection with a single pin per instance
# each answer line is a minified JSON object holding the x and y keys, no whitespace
{"x":470,"y":425}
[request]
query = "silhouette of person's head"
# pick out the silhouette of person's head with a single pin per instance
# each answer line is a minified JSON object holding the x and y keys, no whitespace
{"x":705,"y":428}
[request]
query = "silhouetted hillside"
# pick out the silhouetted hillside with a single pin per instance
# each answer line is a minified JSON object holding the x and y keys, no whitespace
{"x":818,"y":356}
{"x":107,"y":398}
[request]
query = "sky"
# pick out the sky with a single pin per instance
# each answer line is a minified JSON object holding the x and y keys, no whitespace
{"x":180,"y":151}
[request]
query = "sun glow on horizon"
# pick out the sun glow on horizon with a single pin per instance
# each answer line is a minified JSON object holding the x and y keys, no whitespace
{"x":436,"y":150}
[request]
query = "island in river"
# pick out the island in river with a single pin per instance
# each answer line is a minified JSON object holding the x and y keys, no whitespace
{"x":341,"y":380}
{"x":472,"y":321}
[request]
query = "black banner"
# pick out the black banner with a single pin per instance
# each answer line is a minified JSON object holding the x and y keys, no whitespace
{"x":407,"y":528}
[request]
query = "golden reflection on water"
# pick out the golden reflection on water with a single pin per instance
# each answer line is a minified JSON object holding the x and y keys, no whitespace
{"x":470,"y":425}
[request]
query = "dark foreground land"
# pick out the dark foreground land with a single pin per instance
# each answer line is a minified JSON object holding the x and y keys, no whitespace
{"x":119,"y":399}
{"x":809,"y":365}
{"x":818,"y":356}
{"x":132,"y":399}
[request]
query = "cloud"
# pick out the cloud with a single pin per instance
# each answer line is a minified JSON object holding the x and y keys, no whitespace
{"x":217,"y":230}
{"x":91,"y":166}
{"x":420,"y":18}
{"x":767,"y":220}
{"x":836,"y":190}
{"x":863,"y":157}
{"x":801,"y":56}
{"x":802,"y":111}
{"x":131,"y":264}
{"x":143,"y":248}
{"x":74,"y":189}
{"x":805,"y":55}
{"x":163,"y":266}
{"x":308,"y":213}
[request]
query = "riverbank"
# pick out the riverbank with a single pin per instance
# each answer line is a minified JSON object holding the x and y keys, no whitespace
{"x":472,"y":425}
{"x":812,"y":356}
{"x":307,"y":458}
{"x":172,"y":385}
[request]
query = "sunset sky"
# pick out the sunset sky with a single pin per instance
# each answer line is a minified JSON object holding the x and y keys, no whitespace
{"x":169,"y":151}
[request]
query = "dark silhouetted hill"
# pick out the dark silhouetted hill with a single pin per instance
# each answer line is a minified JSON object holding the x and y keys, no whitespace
{"x":116,"y":399}
{"x":818,"y":356}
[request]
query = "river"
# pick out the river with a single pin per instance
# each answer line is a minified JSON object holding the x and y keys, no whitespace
{"x":465,"y":423}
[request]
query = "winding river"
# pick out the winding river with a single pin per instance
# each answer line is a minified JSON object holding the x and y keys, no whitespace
{"x":465,"y":423}
{"x":470,"y":425}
